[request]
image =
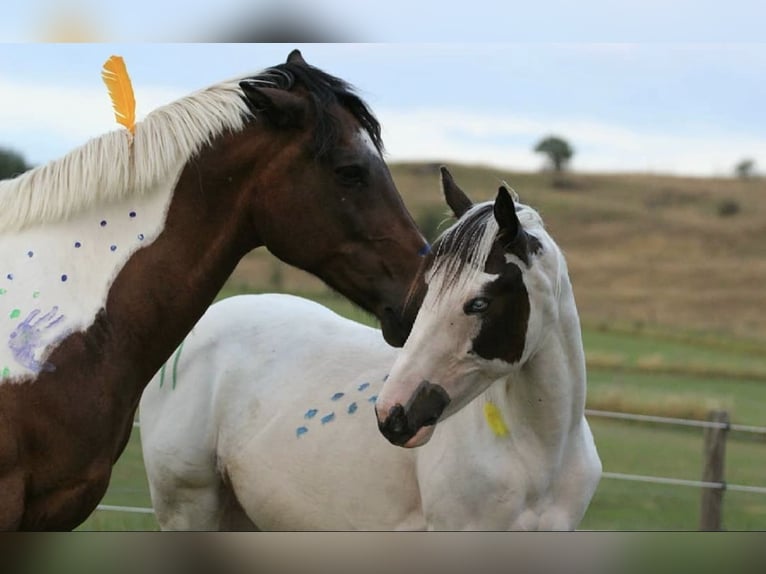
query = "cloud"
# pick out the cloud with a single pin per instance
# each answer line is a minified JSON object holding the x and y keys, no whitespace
{"x":45,"y":121}
{"x":506,"y":141}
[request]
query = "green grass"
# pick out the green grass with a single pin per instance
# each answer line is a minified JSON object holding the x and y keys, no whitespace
{"x":675,"y":453}
{"x":641,"y":386}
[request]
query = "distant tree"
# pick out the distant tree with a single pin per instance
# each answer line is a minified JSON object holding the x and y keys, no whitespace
{"x":558,"y":150}
{"x":745,"y":168}
{"x":11,"y":163}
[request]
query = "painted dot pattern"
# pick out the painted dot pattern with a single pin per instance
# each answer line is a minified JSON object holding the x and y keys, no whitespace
{"x":350,"y":409}
{"x":77,"y":245}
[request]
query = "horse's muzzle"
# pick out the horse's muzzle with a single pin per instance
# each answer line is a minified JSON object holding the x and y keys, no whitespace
{"x":424,"y":409}
{"x":395,"y":326}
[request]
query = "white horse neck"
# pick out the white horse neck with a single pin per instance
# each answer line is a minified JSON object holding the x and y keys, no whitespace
{"x":543,"y":401}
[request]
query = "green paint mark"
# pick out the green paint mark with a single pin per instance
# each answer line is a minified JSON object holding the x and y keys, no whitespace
{"x":6,"y":372}
{"x":162,"y":374}
{"x":2,"y":291}
{"x":175,"y":362}
{"x":15,"y":313}
{"x":35,"y":295}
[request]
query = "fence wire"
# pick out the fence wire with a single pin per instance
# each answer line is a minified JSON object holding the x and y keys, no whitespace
{"x":607,"y":475}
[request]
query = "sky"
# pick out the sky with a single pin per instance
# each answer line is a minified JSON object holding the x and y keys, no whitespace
{"x":684,"y":108}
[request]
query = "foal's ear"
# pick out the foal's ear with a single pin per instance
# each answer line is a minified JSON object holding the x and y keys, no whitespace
{"x":505,"y":214}
{"x":456,"y":198}
{"x":295,"y":57}
{"x":280,"y":107}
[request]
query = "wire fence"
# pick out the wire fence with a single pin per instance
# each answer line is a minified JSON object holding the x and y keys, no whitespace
{"x":722,"y":486}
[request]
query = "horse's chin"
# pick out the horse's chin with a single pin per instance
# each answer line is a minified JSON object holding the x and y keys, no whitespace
{"x":421,"y":437}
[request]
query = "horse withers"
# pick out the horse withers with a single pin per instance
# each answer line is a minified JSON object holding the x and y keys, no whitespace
{"x":266,"y":417}
{"x":109,"y":256}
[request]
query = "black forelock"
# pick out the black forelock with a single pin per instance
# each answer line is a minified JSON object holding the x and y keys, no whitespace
{"x":324,"y":90}
{"x":456,"y":247}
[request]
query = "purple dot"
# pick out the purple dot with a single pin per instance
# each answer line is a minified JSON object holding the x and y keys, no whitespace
{"x":77,"y":244}
{"x":10,"y":276}
{"x":64,"y":277}
{"x":140,"y":236}
{"x":103,"y":223}
{"x":30,"y":253}
{"x":113,"y":248}
{"x":132,"y":214}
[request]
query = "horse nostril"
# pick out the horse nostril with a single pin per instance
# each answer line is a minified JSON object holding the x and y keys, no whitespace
{"x":397,"y":420}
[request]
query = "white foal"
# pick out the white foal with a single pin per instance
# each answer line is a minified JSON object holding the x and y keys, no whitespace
{"x":265,"y":416}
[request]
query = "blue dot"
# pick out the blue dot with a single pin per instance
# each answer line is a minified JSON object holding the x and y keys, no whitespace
{"x":363,"y":386}
{"x":352,"y":408}
{"x":301,"y":431}
{"x":103,"y":223}
{"x":10,"y":276}
{"x":140,"y":236}
{"x":113,"y":248}
{"x":310,"y":414}
{"x":77,"y":244}
{"x":30,"y":253}
{"x":328,"y":418}
{"x":425,"y":250}
{"x":64,"y":277}
{"x":337,"y":396}
{"x":132,"y":214}
{"x":373,"y":398}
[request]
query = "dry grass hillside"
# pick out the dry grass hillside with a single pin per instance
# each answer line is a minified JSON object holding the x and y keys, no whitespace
{"x":644,"y":251}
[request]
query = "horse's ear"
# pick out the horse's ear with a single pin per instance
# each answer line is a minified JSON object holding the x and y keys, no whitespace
{"x":280,"y":107}
{"x":295,"y":57}
{"x":456,"y":198}
{"x":505,"y":214}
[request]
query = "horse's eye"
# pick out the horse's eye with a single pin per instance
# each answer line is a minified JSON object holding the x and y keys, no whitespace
{"x":476,"y":306}
{"x":351,"y":174}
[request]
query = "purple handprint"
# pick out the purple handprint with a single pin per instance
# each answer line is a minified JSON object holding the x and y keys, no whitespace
{"x":28,"y":337}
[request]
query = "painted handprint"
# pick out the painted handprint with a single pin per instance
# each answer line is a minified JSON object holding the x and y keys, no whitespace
{"x":30,"y":335}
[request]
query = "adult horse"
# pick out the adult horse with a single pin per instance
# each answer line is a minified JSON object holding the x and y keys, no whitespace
{"x":111,"y":254}
{"x":267,"y":417}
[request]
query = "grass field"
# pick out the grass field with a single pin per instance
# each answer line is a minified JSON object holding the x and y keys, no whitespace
{"x":624,"y":447}
{"x":671,"y":299}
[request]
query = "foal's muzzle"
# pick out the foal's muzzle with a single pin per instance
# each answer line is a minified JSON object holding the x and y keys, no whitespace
{"x":424,"y":409}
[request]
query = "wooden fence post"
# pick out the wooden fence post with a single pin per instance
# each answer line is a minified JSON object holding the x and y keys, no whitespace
{"x":712,"y":471}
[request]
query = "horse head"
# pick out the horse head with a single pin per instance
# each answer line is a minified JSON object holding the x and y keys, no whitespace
{"x":487,"y":295}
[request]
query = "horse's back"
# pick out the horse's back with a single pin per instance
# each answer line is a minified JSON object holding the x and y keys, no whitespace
{"x":262,"y":390}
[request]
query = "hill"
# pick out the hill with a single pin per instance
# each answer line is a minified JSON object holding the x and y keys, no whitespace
{"x":645,"y":252}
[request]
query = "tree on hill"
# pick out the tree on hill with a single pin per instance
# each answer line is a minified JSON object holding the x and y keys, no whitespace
{"x":745,"y":168}
{"x":11,"y":163}
{"x":558,"y":150}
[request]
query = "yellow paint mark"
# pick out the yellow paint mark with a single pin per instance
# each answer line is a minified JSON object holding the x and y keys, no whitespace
{"x":495,"y":419}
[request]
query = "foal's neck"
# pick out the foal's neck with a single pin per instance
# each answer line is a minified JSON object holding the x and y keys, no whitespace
{"x":545,"y":397}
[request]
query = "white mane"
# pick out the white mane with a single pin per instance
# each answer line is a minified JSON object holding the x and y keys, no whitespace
{"x":109,"y":168}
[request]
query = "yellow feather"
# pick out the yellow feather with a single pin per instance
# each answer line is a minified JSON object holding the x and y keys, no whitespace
{"x":495,"y":419}
{"x":117,"y":81}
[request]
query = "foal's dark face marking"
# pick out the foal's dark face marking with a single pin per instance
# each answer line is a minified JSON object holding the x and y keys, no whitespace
{"x":504,"y":322}
{"x":502,"y":306}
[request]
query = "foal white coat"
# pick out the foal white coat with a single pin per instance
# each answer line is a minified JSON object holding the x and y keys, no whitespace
{"x":265,"y":418}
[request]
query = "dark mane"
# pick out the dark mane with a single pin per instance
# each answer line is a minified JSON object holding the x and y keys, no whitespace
{"x":324,"y":90}
{"x":457,"y":247}
{"x":454,"y":250}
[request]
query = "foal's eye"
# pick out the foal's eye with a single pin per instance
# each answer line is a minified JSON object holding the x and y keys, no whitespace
{"x":351,"y":174}
{"x":476,"y":306}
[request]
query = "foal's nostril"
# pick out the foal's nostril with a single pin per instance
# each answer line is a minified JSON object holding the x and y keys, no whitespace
{"x":397,"y":419}
{"x":396,"y":427}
